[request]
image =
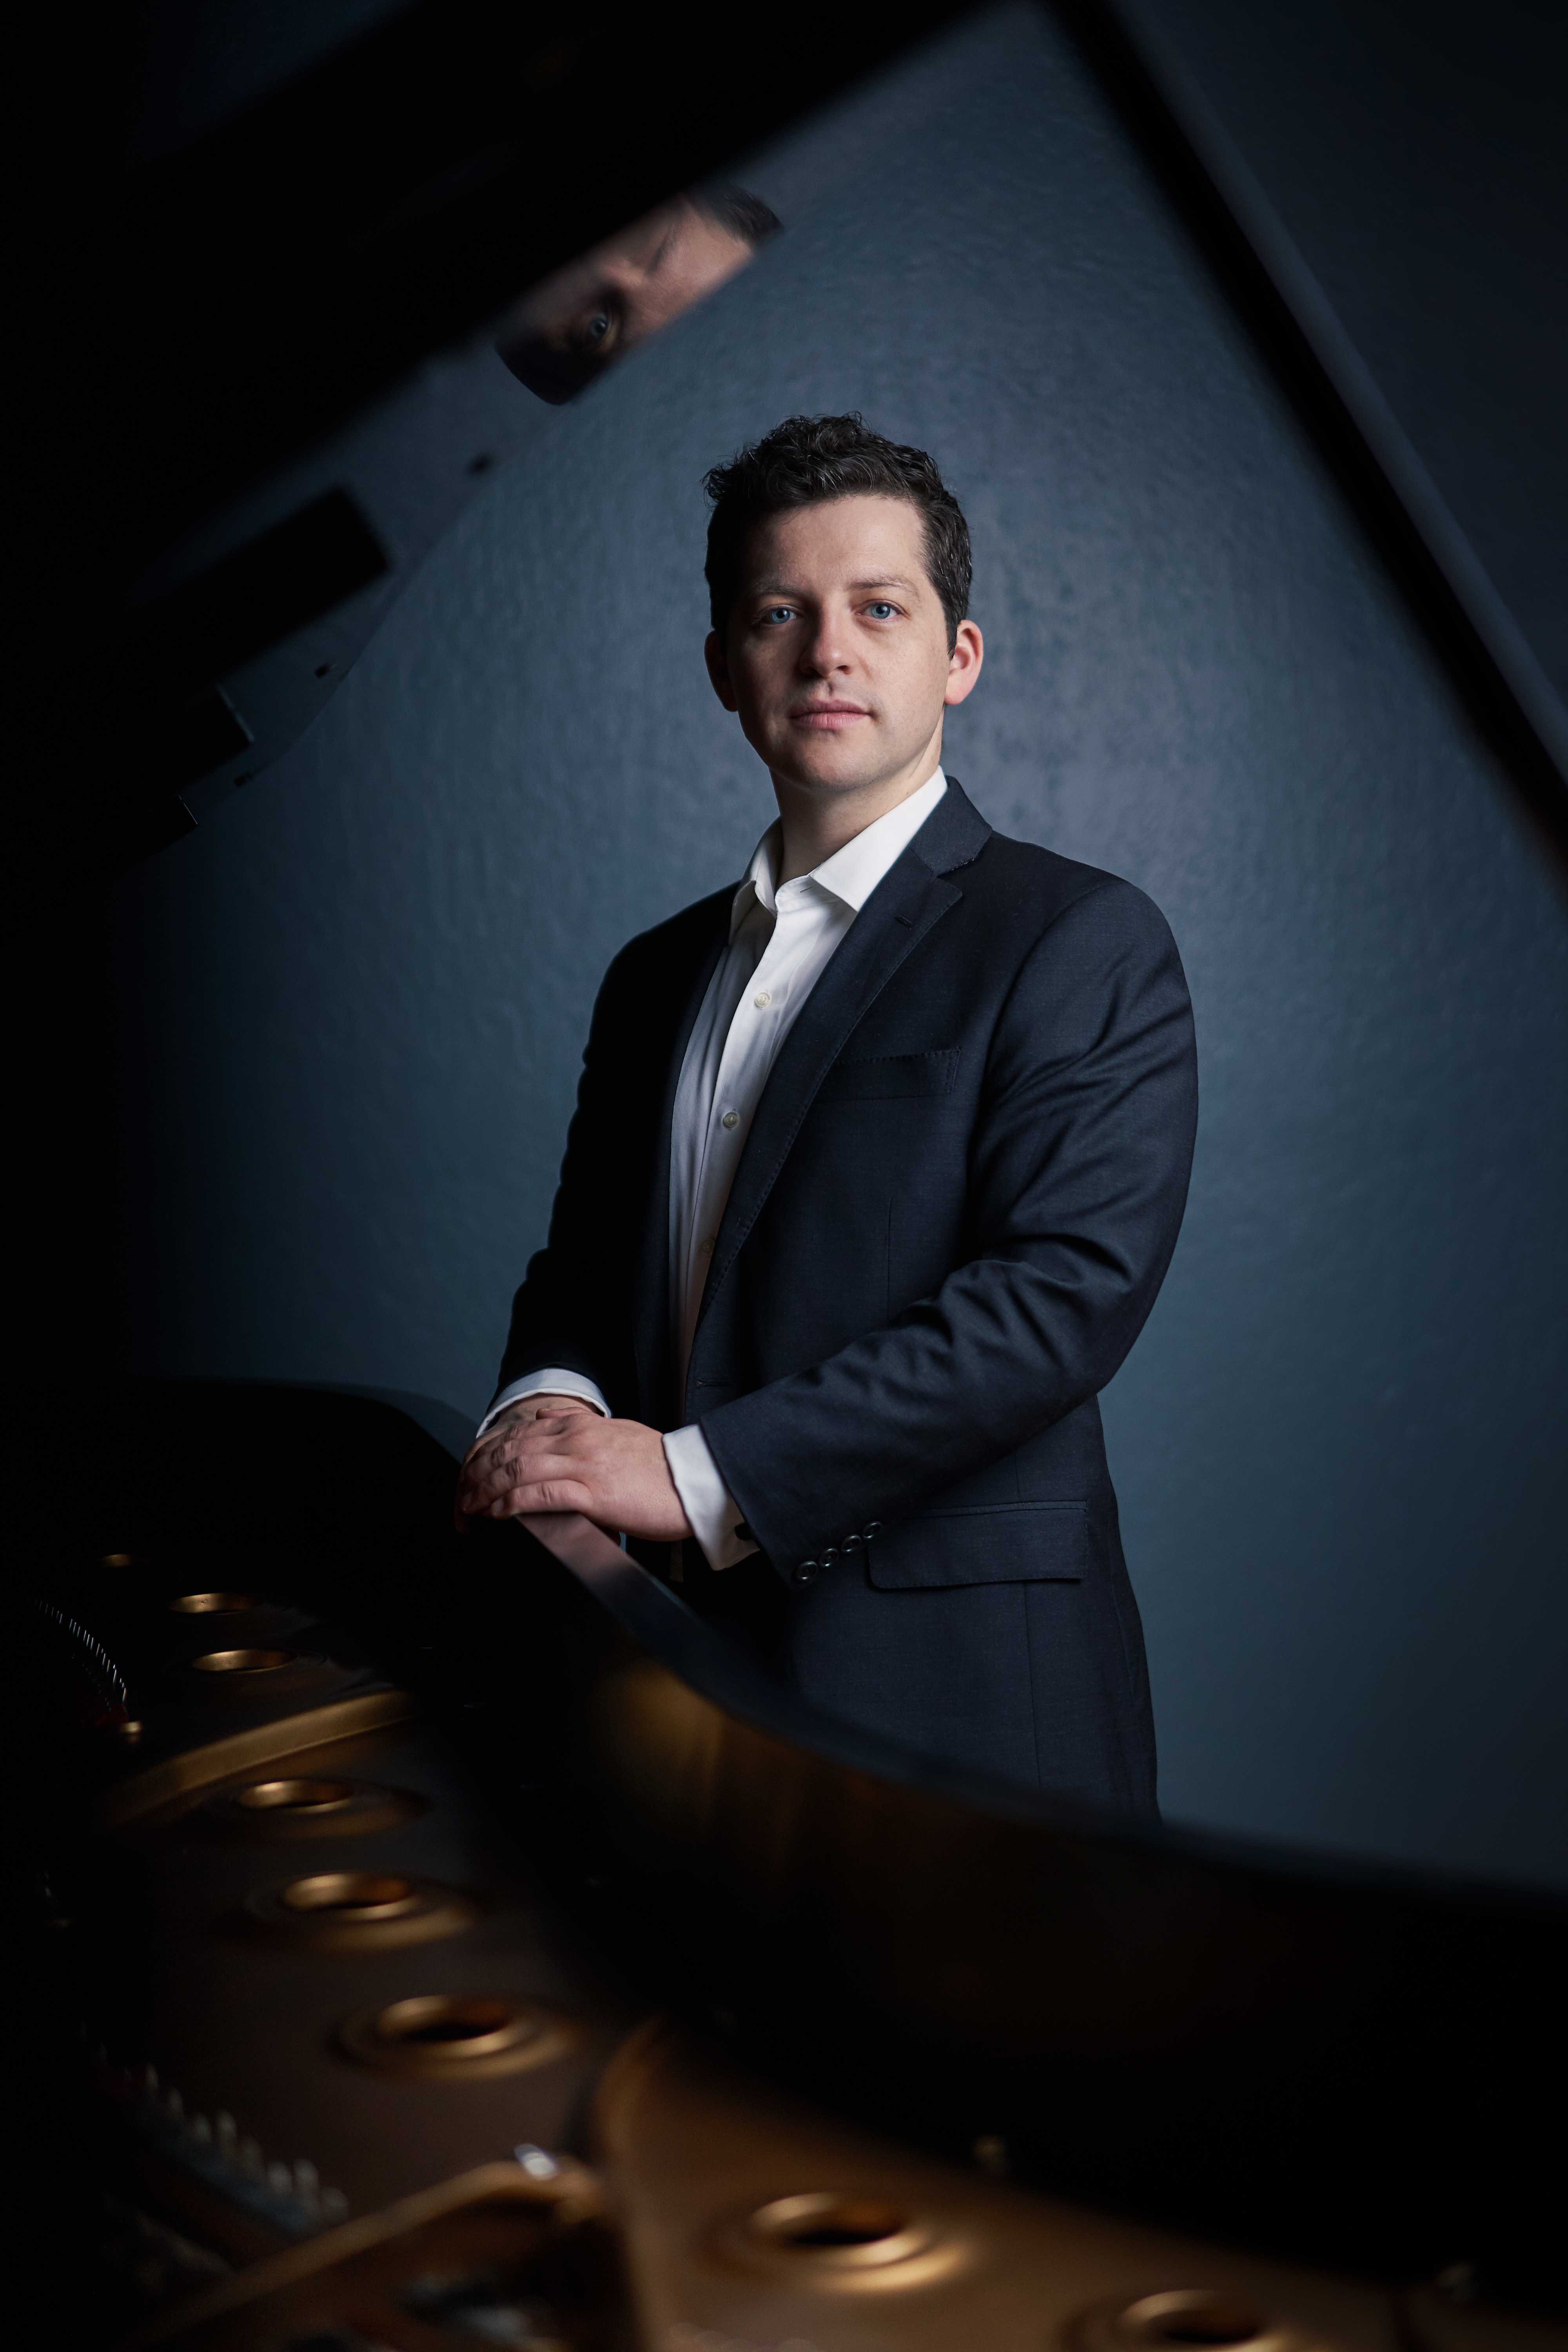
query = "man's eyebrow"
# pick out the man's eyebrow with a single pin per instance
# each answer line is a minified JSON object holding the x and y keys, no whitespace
{"x":783,"y":588}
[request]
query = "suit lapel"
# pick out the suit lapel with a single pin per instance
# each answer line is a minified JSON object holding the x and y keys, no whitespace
{"x":651,"y":1311}
{"x":895,"y":918}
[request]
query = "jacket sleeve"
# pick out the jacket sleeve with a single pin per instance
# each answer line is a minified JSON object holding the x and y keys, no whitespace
{"x":1078,"y":1170}
{"x":572,"y":1309}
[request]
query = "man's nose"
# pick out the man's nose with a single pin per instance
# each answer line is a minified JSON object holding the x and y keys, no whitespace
{"x":826,"y":649}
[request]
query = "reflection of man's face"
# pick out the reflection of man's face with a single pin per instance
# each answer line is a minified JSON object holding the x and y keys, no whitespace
{"x":837,"y":654}
{"x":589,"y":314}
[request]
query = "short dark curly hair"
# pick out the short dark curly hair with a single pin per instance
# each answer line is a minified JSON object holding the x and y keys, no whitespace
{"x":807,"y":461}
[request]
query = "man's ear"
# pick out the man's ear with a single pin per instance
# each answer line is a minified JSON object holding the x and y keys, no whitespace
{"x":719,"y":670}
{"x":964,"y":663}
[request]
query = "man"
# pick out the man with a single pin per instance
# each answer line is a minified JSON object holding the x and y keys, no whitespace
{"x":564,"y":333}
{"x":877,"y":1167}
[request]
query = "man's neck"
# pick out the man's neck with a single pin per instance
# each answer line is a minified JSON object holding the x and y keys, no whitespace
{"x":816,"y":823}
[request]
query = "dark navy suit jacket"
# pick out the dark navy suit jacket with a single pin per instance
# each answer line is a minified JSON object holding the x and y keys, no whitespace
{"x":957,"y":1201}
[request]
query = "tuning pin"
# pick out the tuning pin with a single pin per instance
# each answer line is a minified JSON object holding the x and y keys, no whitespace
{"x":335,"y":2204}
{"x":174,"y":2106}
{"x":307,"y":2180}
{"x":281,"y":2179}
{"x":201,"y":2131}
{"x":247,"y":2155}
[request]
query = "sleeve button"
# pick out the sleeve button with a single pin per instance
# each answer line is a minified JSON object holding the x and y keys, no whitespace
{"x":743,"y":1532}
{"x":853,"y":1543}
{"x":871,"y":1530}
{"x":830,"y":1553}
{"x":806,"y":1573}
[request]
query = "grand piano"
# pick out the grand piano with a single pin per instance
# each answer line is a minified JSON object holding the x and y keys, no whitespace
{"x":454,"y":1939}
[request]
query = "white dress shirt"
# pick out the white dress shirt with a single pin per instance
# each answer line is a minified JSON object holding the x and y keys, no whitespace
{"x":781,"y":936}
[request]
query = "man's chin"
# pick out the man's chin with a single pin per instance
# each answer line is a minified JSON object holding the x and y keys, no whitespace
{"x":828,"y":766}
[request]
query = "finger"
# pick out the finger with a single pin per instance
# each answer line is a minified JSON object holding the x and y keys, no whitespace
{"x":498,"y":1448}
{"x":505,"y":1424}
{"x":567,"y":1435}
{"x":488,"y":1447}
{"x":525,"y":1460}
{"x":479,"y":1493}
{"x":542,"y":1495}
{"x":520,"y":1418}
{"x":506,"y":1443}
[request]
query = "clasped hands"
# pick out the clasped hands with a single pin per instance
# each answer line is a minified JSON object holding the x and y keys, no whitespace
{"x":556,"y":1453}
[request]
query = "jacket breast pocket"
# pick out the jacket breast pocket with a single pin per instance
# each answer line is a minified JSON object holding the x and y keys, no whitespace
{"x":988,"y":1543}
{"x":882,"y":1077}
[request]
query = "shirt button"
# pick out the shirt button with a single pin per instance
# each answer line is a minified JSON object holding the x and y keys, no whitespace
{"x":732,"y":1118}
{"x":710,"y":1244}
{"x":763,"y":998}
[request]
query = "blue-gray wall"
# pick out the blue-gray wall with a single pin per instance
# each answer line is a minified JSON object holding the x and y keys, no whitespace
{"x":354,"y":1003}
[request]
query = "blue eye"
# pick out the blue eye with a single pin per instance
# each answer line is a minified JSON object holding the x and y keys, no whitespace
{"x":881,"y":609}
{"x":774,"y":611}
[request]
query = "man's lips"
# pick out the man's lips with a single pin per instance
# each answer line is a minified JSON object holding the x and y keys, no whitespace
{"x":826,"y":717}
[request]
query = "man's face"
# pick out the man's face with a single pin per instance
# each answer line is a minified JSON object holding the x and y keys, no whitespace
{"x":835,"y":656}
{"x":601,"y":306}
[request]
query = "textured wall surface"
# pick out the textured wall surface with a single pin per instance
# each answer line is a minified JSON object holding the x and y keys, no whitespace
{"x":1415,"y":153}
{"x":354,"y":1003}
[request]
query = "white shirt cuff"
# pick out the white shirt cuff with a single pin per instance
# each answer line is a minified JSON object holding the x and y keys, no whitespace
{"x":715,"y":1514}
{"x":553,"y":1380}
